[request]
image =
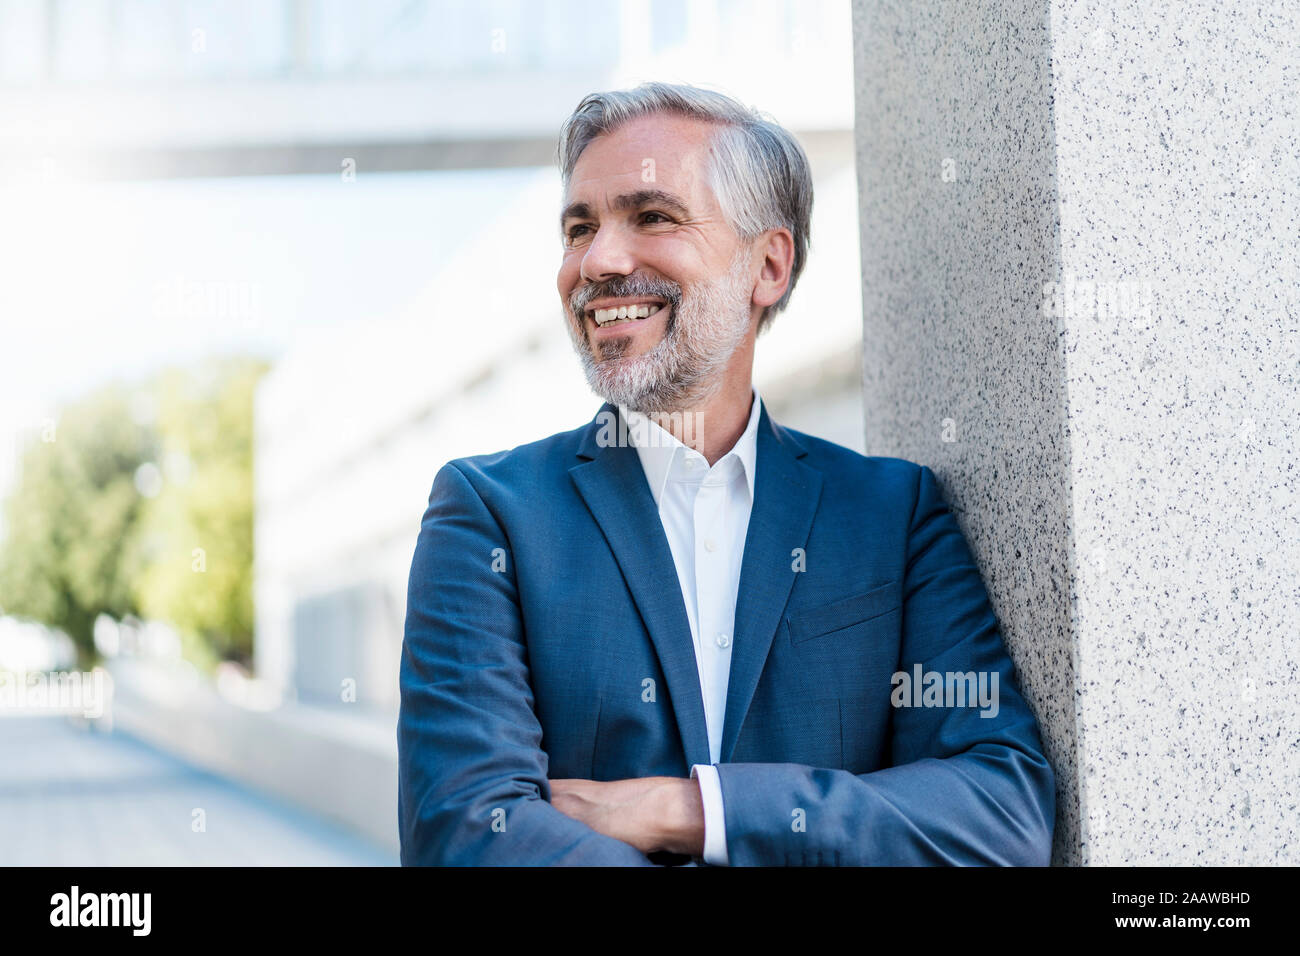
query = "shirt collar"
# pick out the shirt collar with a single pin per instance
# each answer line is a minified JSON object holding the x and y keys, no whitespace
{"x":659,"y":449}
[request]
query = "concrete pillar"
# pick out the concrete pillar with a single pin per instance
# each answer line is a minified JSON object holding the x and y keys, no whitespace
{"x":1080,"y":247}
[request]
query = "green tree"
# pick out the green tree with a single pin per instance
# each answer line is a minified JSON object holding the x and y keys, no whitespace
{"x":196,"y":536}
{"x":142,"y":504}
{"x":69,"y":520}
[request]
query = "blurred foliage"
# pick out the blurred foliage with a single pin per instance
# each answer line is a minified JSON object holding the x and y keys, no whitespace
{"x":140,"y":502}
{"x":69,"y":520}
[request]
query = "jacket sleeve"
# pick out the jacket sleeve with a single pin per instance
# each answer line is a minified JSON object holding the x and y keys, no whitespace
{"x":961,"y":788}
{"x":472,"y":784}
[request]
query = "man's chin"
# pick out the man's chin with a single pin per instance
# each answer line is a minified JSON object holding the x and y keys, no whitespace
{"x":640,"y":383}
{"x":619,"y":395}
{"x":650,"y":399}
{"x":617,"y":390}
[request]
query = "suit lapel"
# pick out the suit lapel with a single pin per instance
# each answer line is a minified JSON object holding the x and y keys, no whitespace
{"x":786,"y":493}
{"x":612,"y":483}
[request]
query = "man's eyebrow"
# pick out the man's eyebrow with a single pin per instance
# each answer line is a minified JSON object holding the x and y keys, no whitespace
{"x":647,"y":197}
{"x":633,"y":200}
{"x":575,"y":210}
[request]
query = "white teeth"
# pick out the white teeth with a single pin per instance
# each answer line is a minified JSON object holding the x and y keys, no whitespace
{"x":624,"y":313}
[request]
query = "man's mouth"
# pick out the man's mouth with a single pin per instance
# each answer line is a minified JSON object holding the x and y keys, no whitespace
{"x":619,"y":315}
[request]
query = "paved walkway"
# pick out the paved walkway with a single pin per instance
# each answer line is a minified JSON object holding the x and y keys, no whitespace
{"x":76,"y":797}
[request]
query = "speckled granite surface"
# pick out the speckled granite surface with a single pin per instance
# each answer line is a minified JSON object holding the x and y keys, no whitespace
{"x":1081,"y":257}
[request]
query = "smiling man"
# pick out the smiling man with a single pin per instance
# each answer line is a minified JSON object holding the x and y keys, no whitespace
{"x":680,"y":632}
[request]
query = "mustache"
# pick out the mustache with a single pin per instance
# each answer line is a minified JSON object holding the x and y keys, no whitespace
{"x":625,"y":287}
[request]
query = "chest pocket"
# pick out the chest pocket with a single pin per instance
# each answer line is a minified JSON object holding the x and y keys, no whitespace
{"x":827,"y":619}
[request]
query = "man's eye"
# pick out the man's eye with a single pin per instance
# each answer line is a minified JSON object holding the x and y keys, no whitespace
{"x":576,"y":232}
{"x":658,"y":217}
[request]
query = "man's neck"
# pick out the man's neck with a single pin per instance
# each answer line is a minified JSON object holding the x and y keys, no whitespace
{"x":713,"y":426}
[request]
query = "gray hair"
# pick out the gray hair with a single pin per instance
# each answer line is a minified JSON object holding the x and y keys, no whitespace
{"x":758,"y":172}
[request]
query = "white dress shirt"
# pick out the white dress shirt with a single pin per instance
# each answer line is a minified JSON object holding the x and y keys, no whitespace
{"x":705,"y":515}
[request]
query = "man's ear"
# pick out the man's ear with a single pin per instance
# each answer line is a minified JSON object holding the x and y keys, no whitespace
{"x":777,"y":249}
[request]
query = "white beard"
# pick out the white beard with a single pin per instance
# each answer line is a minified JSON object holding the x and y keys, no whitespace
{"x":684,"y":368}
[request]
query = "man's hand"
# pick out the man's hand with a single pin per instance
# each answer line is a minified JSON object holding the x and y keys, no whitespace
{"x":650,"y":813}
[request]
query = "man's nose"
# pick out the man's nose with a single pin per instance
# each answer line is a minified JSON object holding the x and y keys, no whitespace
{"x":609,"y":255}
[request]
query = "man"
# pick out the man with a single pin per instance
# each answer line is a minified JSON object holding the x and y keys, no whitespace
{"x":682,"y":631}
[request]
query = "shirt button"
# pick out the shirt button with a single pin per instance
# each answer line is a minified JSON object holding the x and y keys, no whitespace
{"x":692,"y":464}
{"x":722,"y":640}
{"x":710,"y":544}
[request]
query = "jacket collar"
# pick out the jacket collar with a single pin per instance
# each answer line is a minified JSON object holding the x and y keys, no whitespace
{"x":660,"y":449}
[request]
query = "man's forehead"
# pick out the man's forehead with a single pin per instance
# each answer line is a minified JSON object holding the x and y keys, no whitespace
{"x":669,"y":151}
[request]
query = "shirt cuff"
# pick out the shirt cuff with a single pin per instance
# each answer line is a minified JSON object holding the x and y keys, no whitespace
{"x":715,"y":821}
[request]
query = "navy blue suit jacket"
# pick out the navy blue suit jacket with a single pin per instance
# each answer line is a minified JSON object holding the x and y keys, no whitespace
{"x":546,"y":637}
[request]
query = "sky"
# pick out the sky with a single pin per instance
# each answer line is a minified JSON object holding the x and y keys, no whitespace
{"x":112,"y":281}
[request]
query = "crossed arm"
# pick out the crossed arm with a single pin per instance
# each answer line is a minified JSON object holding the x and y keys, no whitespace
{"x":962,"y":788}
{"x":651,"y":813}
